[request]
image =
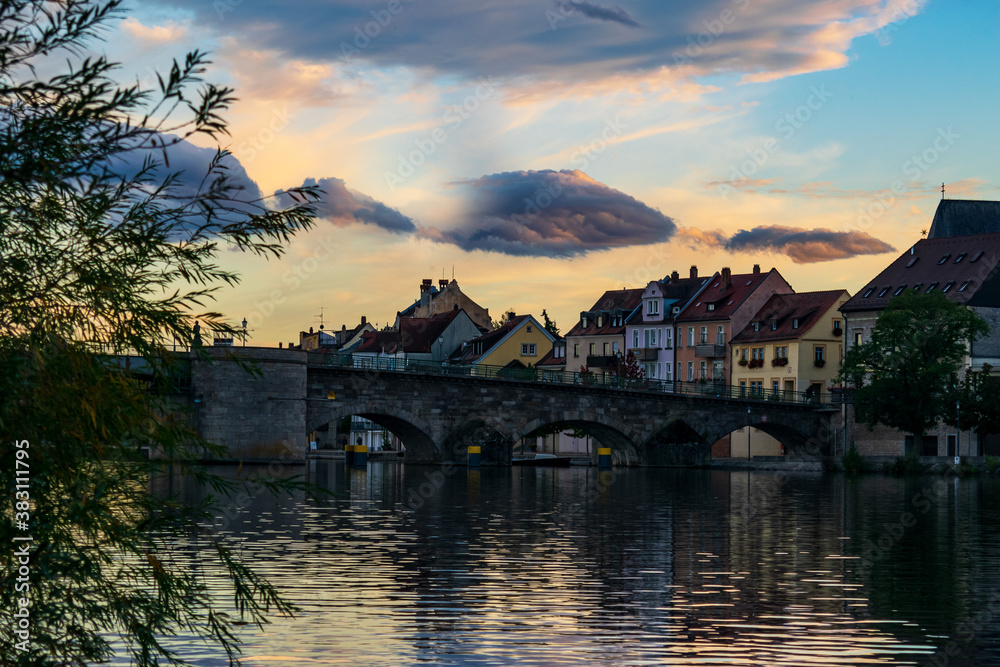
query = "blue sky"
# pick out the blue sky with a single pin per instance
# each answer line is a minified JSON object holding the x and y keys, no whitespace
{"x":549,"y":150}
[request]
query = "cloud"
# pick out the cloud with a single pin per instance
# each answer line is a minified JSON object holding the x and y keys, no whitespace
{"x":563,"y":43}
{"x":160,"y":34}
{"x":551,"y":214}
{"x":803,"y":246}
{"x":615,"y":14}
{"x":343,"y":207}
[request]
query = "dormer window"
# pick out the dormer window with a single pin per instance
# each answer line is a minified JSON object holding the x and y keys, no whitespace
{"x":795,"y":323}
{"x":654,"y":307}
{"x":899,"y":290}
{"x":711,"y":307}
{"x":600,"y":321}
{"x":944,"y":259}
{"x":583,"y":321}
{"x":885,"y":290}
{"x":756,"y":326}
{"x":916,"y":288}
{"x":913,"y":260}
{"x":946,"y":288}
{"x":933,"y":286}
{"x":868,"y":293}
{"x":774,"y":325}
{"x":964,"y":285}
{"x":960,"y":257}
{"x":977,"y":256}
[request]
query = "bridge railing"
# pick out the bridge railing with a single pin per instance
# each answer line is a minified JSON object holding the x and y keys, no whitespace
{"x":596,"y":379}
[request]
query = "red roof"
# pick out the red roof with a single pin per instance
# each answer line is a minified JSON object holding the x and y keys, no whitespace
{"x":719,"y":301}
{"x":776,"y":320}
{"x":612,"y":305}
{"x":415,"y":335}
{"x":965,"y":268}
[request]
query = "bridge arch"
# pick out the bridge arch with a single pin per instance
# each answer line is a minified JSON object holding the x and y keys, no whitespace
{"x":674,"y":443}
{"x":608,"y":432}
{"x":797,"y":444}
{"x":407,"y":426}
{"x":492,"y":436}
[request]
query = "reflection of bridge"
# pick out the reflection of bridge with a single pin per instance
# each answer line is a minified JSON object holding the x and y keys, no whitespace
{"x":438,"y":414}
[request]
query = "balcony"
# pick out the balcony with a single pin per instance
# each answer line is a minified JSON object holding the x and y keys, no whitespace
{"x":600,"y":361}
{"x":710,"y":351}
{"x":646,"y":353}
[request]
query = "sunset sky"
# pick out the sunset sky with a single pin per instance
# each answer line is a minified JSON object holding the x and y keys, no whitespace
{"x":548,"y":150}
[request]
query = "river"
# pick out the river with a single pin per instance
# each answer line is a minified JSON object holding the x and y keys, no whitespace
{"x":544,"y":566}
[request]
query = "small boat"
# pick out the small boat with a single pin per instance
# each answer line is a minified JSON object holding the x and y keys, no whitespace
{"x":548,"y":460}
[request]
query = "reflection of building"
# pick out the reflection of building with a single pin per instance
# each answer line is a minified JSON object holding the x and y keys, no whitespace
{"x":794,"y":344}
{"x":599,"y":337}
{"x":967,"y":270}
{"x":443,"y":299}
{"x":705,"y":327}
{"x":649,"y":331}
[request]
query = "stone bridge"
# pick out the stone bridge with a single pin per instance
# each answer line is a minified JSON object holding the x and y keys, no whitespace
{"x":438,"y":416}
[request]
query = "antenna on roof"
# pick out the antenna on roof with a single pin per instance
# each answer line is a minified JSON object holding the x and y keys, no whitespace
{"x":942,"y":191}
{"x":320,"y":316}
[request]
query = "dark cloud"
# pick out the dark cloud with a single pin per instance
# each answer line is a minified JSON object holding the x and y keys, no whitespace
{"x":552,"y":214}
{"x":615,"y":14}
{"x":343,"y":207}
{"x":803,"y":246}
{"x":553,"y":42}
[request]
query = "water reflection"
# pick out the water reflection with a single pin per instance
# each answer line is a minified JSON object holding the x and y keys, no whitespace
{"x":562,"y":566}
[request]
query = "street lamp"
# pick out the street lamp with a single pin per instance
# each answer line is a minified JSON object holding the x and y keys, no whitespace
{"x":244,"y":332}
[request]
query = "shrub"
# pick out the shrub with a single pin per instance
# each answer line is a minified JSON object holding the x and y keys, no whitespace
{"x":853,"y":462}
{"x":992,"y":464}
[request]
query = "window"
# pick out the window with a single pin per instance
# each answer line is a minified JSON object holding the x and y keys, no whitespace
{"x":720,"y":335}
{"x":756,"y":326}
{"x":946,"y":287}
{"x":916,"y":288}
{"x":528,"y":328}
{"x":795,"y":323}
{"x":635,"y":338}
{"x":650,"y":338}
{"x":690,"y":371}
{"x":960,"y":257}
{"x":528,"y":350}
{"x":913,"y":260}
{"x":668,"y":338}
{"x":743,"y":353}
{"x":977,"y":256}
{"x":583,"y":321}
{"x":899,"y":290}
{"x":836,"y":326}
{"x":600,"y":321}
{"x":614,"y":347}
{"x":704,"y":335}
{"x":605,"y":349}
{"x":885,"y":290}
{"x":775,"y":386}
{"x":820,"y":352}
{"x":690,"y":336}
{"x":711,"y":307}
{"x":868,"y":292}
{"x":651,"y":371}
{"x":774,"y":325}
{"x":592,"y":347}
{"x":944,"y":259}
{"x":964,"y":285}
{"x":756,"y":387}
{"x":669,"y":377}
{"x":654,"y":307}
{"x":781,"y":352}
{"x":859,"y":337}
{"x":757,"y":353}
{"x":703,"y":368}
{"x":931,"y":288}
{"x":718,"y":371}
{"x":576,"y":349}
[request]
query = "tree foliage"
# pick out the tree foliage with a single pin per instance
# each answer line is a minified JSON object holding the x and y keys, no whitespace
{"x":549,"y":324}
{"x":105,"y":250}
{"x":903,"y":376}
{"x":974,"y":403}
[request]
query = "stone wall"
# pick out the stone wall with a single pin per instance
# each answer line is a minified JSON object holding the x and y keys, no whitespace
{"x":258,"y":418}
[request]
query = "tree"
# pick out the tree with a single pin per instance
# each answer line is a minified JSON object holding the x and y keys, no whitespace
{"x":902,"y":377}
{"x":504,"y":319}
{"x":549,"y":325}
{"x":627,"y":369}
{"x":978,"y":394}
{"x":103,"y":251}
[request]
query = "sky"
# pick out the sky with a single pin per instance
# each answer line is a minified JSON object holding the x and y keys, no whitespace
{"x":544,"y":151}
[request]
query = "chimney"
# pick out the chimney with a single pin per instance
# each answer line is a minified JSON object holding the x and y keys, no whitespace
{"x":279,"y":346}
{"x":343,"y":327}
{"x":694,"y":271}
{"x":727,"y":277}
{"x":425,"y":293}
{"x":674,"y":276}
{"x":310,"y":329}
{"x":364,"y":320}
{"x":425,"y":285}
{"x":442,"y":283}
{"x":756,"y":269}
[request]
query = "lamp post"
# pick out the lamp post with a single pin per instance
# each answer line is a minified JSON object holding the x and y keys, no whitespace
{"x":244,"y":332}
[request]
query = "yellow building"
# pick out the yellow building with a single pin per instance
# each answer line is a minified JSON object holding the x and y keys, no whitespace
{"x":522,"y":341}
{"x":793,"y":344}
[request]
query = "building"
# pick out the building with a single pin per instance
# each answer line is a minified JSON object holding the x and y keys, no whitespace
{"x":598,"y":339}
{"x":553,"y":363}
{"x":794,"y":343}
{"x":967,"y":270}
{"x":649,"y":331}
{"x":334,"y":340}
{"x":433,"y":338}
{"x":522,"y":341}
{"x":965,"y":217}
{"x":705,"y":327}
{"x":443,"y":299}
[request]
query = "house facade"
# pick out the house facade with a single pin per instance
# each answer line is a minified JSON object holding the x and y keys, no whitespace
{"x":433,"y":338}
{"x":705,"y":327}
{"x":650,"y":330}
{"x":444,"y":298}
{"x":598,"y":338}
{"x":967,"y":270}
{"x":522,"y":340}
